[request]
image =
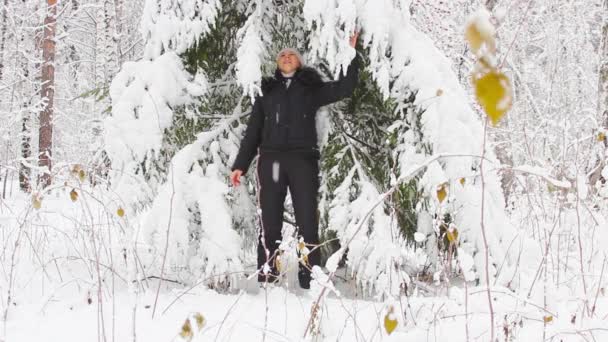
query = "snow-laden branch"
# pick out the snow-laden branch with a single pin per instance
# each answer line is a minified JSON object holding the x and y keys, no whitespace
{"x":542,"y":173}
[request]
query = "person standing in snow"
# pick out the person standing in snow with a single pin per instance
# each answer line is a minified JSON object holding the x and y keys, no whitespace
{"x":282,"y":130}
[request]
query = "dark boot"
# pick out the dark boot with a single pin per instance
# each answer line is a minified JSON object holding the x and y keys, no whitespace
{"x":304,"y":277}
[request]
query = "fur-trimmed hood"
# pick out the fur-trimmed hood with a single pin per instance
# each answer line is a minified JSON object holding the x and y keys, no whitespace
{"x":306,"y":75}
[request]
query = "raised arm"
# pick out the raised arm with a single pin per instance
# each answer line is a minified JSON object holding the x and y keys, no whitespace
{"x":251,"y":140}
{"x":333,"y":91}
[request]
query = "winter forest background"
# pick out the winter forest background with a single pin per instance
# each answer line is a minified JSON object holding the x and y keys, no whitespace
{"x":119,"y":121}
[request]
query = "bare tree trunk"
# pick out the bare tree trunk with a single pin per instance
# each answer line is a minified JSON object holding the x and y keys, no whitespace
{"x":45,"y":142}
{"x":603,"y":79}
{"x":25,"y":171}
{"x":602,"y":100}
{"x":110,"y":52}
{"x":119,"y":17}
{"x":3,"y":36}
{"x":2,"y":40}
{"x":26,"y":153}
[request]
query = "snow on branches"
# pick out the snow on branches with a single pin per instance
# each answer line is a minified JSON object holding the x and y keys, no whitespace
{"x":405,"y":66}
{"x":191,"y":218}
{"x":170,"y":25}
{"x":189,"y":224}
{"x":251,"y":52}
{"x":144,"y":95}
{"x":403,"y":62}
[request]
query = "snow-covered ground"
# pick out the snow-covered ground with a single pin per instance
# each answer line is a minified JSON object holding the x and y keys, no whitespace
{"x":280,"y":315}
{"x":56,"y":273}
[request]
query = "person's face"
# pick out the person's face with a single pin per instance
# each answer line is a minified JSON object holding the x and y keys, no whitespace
{"x":288,"y":62}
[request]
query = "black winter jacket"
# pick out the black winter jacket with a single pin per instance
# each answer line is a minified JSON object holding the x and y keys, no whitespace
{"x":283,"y":118}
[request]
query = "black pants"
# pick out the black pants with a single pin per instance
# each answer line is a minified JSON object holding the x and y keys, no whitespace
{"x":278,"y":171}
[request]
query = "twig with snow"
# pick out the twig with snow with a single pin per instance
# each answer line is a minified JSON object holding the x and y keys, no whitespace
{"x":542,"y":173}
{"x":162,"y":268}
{"x":227,"y":314}
{"x":404,"y":177}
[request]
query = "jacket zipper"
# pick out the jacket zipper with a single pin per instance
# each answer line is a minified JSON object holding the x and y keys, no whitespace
{"x":278,"y":113}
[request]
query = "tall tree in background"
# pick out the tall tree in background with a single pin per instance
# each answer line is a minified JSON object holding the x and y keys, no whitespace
{"x":86,"y":58}
{"x":45,"y":139}
{"x":4,"y":24}
{"x":601,"y":152}
{"x":603,"y":80}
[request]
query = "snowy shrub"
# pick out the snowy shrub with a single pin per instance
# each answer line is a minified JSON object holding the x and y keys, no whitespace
{"x":144,"y":95}
{"x":191,"y":218}
{"x":172,"y":176}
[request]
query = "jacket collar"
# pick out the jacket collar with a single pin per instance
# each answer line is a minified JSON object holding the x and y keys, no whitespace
{"x":304,"y":75}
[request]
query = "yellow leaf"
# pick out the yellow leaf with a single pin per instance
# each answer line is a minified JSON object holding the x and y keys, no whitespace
{"x":462,"y":181}
{"x":120,"y":212}
{"x":186,"y":332}
{"x":548,"y":319}
{"x":82,"y":175}
{"x":200,"y":320}
{"x":301,"y":245}
{"x":277,"y":263}
{"x":390,"y":324}
{"x":74,"y":195}
{"x":452,"y":234}
{"x":304,"y":260}
{"x":601,"y":136}
{"x":76,"y":168}
{"x":442,"y":193}
{"x":473,"y":36}
{"x":36,"y":202}
{"x":493,"y":91}
{"x":477,"y":37}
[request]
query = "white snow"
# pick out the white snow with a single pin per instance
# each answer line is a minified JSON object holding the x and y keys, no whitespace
{"x":169,"y":25}
{"x":276,"y":171}
{"x":144,"y":94}
{"x":481,"y":21}
{"x":419,"y":237}
{"x":78,"y":271}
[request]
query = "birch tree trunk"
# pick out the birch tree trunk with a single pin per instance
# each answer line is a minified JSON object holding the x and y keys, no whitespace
{"x":26,"y":153}
{"x":25,"y":90}
{"x":603,"y":70}
{"x":4,"y":24}
{"x":119,"y":17}
{"x":45,"y":140}
{"x":602,"y":98}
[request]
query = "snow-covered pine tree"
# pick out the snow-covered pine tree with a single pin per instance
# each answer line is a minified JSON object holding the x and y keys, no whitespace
{"x":435,"y":130}
{"x":176,"y":124}
{"x":175,"y":166}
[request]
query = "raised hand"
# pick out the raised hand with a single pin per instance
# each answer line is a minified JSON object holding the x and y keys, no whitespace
{"x":353,"y":39}
{"x":235,"y":177}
